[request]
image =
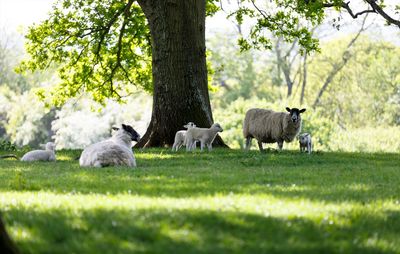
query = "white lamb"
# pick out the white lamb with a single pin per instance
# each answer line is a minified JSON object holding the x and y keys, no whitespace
{"x":180,"y":137}
{"x":204,"y":135}
{"x":115,"y":151}
{"x":37,"y":155}
{"x":268,"y":126}
{"x":305,"y":142}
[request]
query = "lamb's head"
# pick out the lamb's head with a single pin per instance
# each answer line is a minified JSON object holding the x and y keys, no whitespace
{"x":295,"y":114}
{"x":217,"y":127}
{"x":189,"y":125}
{"x":303,"y":138}
{"x":128,"y":130}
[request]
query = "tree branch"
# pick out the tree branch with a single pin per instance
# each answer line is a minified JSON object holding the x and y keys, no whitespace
{"x":375,"y":9}
{"x":339,"y":66}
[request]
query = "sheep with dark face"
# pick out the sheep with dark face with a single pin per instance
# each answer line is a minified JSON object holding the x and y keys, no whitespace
{"x":115,"y":151}
{"x":180,"y":137}
{"x":268,"y":126}
{"x":305,"y":142}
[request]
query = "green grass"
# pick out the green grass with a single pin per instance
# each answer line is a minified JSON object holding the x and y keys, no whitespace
{"x":227,"y":201}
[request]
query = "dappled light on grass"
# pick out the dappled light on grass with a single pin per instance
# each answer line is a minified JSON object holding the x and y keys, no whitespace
{"x":235,"y":222}
{"x":226,"y":201}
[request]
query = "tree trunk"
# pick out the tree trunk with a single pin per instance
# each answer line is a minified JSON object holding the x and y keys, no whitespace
{"x":179,"y":69}
{"x":6,"y":245}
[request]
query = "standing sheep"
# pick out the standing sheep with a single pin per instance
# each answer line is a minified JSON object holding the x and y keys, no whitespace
{"x":180,"y":137}
{"x":115,"y":151}
{"x":204,"y":135}
{"x":305,"y":142}
{"x":268,"y":126}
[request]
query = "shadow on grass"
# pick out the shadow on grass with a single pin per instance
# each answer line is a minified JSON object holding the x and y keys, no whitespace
{"x":333,"y":177}
{"x":196,"y":231}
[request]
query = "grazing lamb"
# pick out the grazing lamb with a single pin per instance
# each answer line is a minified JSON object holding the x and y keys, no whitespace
{"x":204,"y":135}
{"x":268,"y":126}
{"x":180,"y":137}
{"x":305,"y":142}
{"x":115,"y":151}
{"x":37,"y":155}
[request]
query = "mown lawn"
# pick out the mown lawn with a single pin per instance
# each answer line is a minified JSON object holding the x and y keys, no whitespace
{"x":226,"y":201}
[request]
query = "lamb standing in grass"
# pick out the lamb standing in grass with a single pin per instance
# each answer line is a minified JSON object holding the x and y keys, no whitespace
{"x":268,"y":126}
{"x":37,"y":155}
{"x":180,"y":137}
{"x":204,"y":135}
{"x":115,"y":151}
{"x":305,"y":142}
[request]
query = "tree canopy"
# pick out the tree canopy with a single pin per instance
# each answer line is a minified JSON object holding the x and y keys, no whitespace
{"x":104,"y":47}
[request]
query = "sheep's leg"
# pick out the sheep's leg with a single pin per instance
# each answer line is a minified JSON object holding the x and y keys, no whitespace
{"x":260,"y":146}
{"x":188,"y":145}
{"x":280,"y":145}
{"x":301,"y":149}
{"x":309,"y":148}
{"x":194,"y":145}
{"x":209,"y":147}
{"x":201,"y":146}
{"x":248,"y":143}
{"x":174,"y":147}
{"x":97,"y":164}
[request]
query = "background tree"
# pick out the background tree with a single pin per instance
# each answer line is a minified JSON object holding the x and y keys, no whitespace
{"x":104,"y":48}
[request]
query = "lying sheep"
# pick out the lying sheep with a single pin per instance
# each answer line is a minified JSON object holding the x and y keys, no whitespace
{"x":268,"y":126}
{"x":37,"y":155}
{"x":305,"y":142}
{"x":204,"y":135}
{"x":115,"y":151}
{"x":180,"y":137}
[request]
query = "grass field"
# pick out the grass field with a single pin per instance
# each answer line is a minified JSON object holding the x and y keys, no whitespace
{"x":226,"y":201}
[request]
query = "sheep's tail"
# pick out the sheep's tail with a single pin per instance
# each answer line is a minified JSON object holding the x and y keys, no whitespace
{"x":9,"y":156}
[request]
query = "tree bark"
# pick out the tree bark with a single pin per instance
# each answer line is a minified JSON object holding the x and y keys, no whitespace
{"x":6,"y":245}
{"x":180,"y":94}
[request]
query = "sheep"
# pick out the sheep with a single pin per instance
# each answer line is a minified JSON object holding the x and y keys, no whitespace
{"x":37,"y":155}
{"x":204,"y":135}
{"x":268,"y":126}
{"x":305,"y":142}
{"x":180,"y":137}
{"x":115,"y":151}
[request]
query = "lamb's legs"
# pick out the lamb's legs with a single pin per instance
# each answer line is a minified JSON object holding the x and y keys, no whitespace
{"x":260,"y":146}
{"x":188,"y":145}
{"x":209,"y":147}
{"x":248,"y":143}
{"x":280,"y":145}
{"x":309,"y":148}
{"x":201,"y":146}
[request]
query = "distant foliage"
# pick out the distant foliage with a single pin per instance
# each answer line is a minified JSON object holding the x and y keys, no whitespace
{"x":6,"y":145}
{"x":81,"y":123}
{"x":376,"y":139}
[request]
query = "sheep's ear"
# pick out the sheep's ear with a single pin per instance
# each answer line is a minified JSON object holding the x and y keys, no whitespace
{"x":124,"y":127}
{"x":302,"y":110}
{"x":287,"y":109}
{"x":115,"y":128}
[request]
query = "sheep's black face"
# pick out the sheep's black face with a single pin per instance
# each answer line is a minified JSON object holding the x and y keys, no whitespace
{"x":295,"y":113}
{"x":134,"y":135}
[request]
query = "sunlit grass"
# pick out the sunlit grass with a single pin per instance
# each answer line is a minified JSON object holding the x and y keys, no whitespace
{"x":227,"y":201}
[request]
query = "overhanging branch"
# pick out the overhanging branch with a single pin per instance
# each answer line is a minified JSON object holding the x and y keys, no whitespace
{"x":375,"y":9}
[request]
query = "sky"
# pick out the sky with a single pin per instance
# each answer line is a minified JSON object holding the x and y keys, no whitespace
{"x":18,"y":14}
